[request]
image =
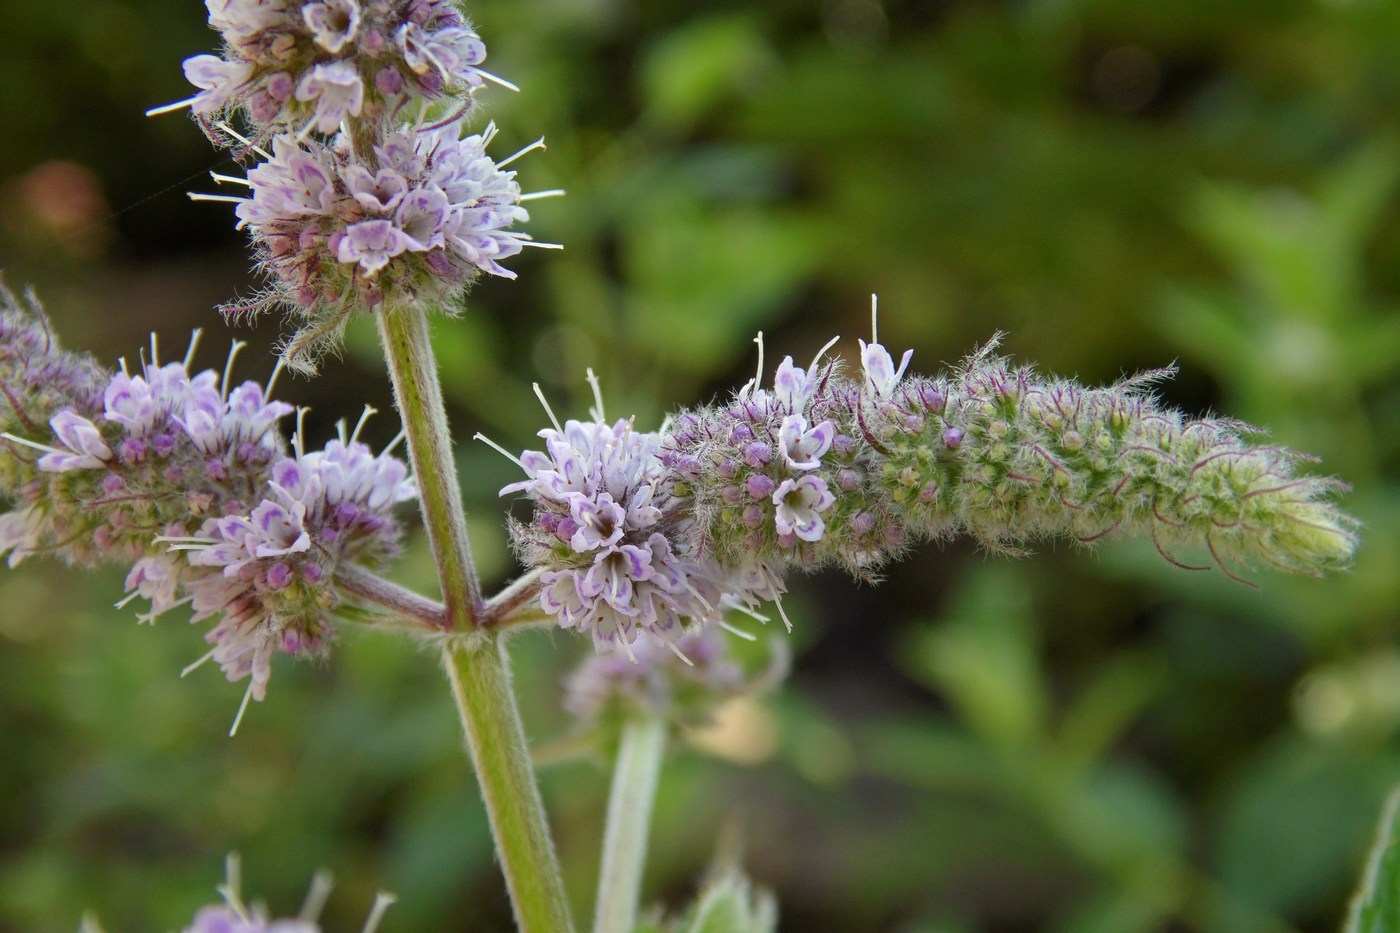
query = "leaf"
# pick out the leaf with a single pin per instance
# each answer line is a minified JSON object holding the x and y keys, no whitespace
{"x":1376,"y":906}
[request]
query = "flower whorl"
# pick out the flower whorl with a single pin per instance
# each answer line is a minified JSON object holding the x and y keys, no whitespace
{"x":303,"y":65}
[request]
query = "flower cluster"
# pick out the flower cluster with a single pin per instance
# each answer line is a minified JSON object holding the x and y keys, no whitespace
{"x":367,"y":196}
{"x":311,"y":65}
{"x":266,"y":573}
{"x":655,"y":680}
{"x":188,"y":479}
{"x":611,"y":529}
{"x":38,"y":379}
{"x":784,"y":475}
{"x":163,"y":451}
{"x":413,"y":225}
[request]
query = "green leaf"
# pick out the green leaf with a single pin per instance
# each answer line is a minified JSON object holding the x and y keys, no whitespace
{"x":1376,"y":906}
{"x":731,"y":905}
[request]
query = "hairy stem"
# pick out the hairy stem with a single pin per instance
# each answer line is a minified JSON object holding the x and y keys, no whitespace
{"x":375,"y":590}
{"x":413,"y":369}
{"x":629,"y":818}
{"x":477,"y":667}
{"x":479,"y":673}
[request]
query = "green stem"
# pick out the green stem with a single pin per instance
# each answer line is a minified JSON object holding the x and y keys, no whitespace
{"x":475,"y":660}
{"x":629,"y":818}
{"x":413,"y":369}
{"x":479,"y":672}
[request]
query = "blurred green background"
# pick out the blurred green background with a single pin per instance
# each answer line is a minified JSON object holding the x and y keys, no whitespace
{"x":1074,"y":742}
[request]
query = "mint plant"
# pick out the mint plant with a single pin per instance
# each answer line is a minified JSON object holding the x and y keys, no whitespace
{"x":659,"y":545}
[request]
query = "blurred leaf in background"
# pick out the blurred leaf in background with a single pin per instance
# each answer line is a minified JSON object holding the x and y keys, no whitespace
{"x":1076,"y":742}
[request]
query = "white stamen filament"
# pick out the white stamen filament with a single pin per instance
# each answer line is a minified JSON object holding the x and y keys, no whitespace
{"x":498,"y":80}
{"x":738,"y":632}
{"x":874,"y":326}
{"x":597,"y":410}
{"x":478,"y":436}
{"x":812,"y":370}
{"x":244,"y":140}
{"x":548,"y":193}
{"x":537,"y":144}
{"x":34,"y":444}
{"x":539,"y":394}
{"x":228,"y":367}
{"x":382,"y":902}
{"x":316,"y":896}
{"x":242,"y":708}
{"x":194,"y":344}
{"x":229,"y":180}
{"x":365,"y":416}
{"x":171,"y":108}
{"x":191,"y":668}
{"x":226,"y":198}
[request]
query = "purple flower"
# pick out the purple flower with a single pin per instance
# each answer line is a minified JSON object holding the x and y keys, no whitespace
{"x":453,"y":52}
{"x":338,"y":92}
{"x":86,"y":450}
{"x":880,"y":374}
{"x":333,"y":23}
{"x":379,"y":193}
{"x":799,"y":503}
{"x":803,"y":446}
{"x":219,"y":81}
{"x":371,"y":244}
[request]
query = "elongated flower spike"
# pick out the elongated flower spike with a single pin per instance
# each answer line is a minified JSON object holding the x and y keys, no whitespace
{"x":825,"y":469}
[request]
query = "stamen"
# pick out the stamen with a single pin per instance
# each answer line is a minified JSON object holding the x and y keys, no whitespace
{"x":811,"y":370}
{"x":243,"y":139}
{"x":365,"y":416}
{"x":777,"y":601}
{"x":191,"y":668}
{"x":548,"y":193}
{"x":478,"y":436}
{"x":229,"y":180}
{"x":539,"y":394}
{"x":194,"y":343}
{"x":316,"y":896}
{"x":597,"y":410}
{"x":228,"y":367}
{"x":498,"y":80}
{"x":758,"y":376}
{"x":272,"y":380}
{"x":242,"y":708}
{"x":340,"y":428}
{"x":678,"y":652}
{"x":297,"y":438}
{"x":171,"y":108}
{"x":227,"y":198}
{"x":537,"y":144}
{"x":233,"y":874}
{"x":874,"y":327}
{"x":155,"y":350}
{"x":526,"y":241}
{"x":746,"y":636}
{"x":149,"y":618}
{"x":34,"y":444}
{"x":398,"y":439}
{"x":383,"y":900}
